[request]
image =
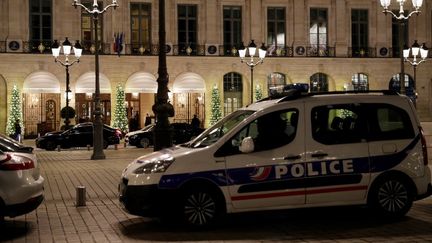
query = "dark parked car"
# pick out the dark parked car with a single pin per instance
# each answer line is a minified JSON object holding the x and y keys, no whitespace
{"x":182,"y":132}
{"x":80,"y":135}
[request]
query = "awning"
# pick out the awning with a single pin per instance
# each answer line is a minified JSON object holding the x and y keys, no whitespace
{"x":86,"y":83}
{"x":141,"y":82}
{"x":189,"y":83}
{"x":41,"y":82}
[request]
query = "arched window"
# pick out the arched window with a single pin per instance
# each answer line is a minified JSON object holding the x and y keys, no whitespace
{"x":360,"y":81}
{"x":275,"y":83}
{"x":318,"y":82}
{"x":233,"y":92}
{"x":394,"y":84}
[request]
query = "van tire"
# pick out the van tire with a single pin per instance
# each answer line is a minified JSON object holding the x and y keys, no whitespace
{"x":200,"y":207}
{"x":391,"y":197}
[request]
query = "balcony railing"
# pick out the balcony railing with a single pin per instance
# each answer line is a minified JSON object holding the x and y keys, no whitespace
{"x":320,"y":51}
{"x":135,"y":49}
{"x":361,"y":52}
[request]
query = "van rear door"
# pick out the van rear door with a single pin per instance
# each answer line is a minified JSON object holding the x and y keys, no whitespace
{"x":337,"y":155}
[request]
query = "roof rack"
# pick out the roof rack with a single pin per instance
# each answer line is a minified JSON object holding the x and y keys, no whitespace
{"x":293,"y":94}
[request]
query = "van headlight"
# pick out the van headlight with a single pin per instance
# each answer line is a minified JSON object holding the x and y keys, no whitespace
{"x":156,"y":166}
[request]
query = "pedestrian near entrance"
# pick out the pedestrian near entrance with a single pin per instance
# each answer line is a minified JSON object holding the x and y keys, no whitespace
{"x":195,"y":123}
{"x":147,"y":120}
{"x":17,"y":134}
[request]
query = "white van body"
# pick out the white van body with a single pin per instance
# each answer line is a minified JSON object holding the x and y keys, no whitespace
{"x":314,"y":150}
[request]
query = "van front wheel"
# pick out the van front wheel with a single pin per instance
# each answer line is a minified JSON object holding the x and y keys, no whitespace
{"x":391,"y":197}
{"x":200,"y":207}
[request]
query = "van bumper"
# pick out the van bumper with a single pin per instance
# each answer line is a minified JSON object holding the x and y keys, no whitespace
{"x":145,"y":200}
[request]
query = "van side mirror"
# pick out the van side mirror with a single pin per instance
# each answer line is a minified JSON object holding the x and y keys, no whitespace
{"x":247,"y":145}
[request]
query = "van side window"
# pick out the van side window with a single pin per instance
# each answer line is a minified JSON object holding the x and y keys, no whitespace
{"x":275,"y":129}
{"x":269,"y":131}
{"x":337,"y":124}
{"x":388,"y":122}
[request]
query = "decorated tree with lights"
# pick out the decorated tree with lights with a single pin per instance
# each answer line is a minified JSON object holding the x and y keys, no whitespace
{"x":120,"y":116}
{"x":258,"y":92}
{"x":216,"y":113}
{"x":15,"y":112}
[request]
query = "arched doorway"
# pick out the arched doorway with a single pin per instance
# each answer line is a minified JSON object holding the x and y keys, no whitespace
{"x":41,"y":104}
{"x":84,"y":97}
{"x":319,"y":82}
{"x":188,"y":97}
{"x":140,"y":91}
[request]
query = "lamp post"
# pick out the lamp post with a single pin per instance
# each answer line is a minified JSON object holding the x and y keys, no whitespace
{"x":162,"y":108}
{"x":251,"y":63}
{"x":415,"y":50}
{"x":401,"y":18}
{"x":56,"y":49}
{"x":97,"y":124}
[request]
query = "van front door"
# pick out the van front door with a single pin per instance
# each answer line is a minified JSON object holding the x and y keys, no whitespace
{"x":337,"y":160}
{"x":267,"y":177}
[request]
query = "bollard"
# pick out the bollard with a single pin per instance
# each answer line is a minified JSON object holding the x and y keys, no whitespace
{"x":80,"y":196}
{"x":58,"y":148}
{"x":124,"y":146}
{"x":115,"y":146}
{"x":88,"y":147}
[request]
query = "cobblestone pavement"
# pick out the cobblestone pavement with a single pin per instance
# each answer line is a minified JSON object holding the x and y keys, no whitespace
{"x":102,"y":220}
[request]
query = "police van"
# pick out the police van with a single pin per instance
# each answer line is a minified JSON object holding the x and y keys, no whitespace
{"x":293,"y":151}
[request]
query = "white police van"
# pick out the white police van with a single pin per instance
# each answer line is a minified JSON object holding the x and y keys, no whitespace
{"x":296,"y":151}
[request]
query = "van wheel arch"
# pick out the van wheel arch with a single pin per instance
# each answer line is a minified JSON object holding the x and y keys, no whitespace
{"x":202,"y":185}
{"x":396,"y":176}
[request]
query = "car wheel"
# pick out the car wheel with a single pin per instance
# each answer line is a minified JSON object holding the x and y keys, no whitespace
{"x":200,"y":207}
{"x":50,"y":145}
{"x":105,"y":144}
{"x":144,"y":143}
{"x":391,"y":197}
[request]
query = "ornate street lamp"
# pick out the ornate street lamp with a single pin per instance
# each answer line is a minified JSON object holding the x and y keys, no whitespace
{"x":162,"y":108}
{"x":97,"y":124}
{"x":401,"y":18}
{"x":415,"y":50}
{"x":56,"y":49}
{"x":251,"y":63}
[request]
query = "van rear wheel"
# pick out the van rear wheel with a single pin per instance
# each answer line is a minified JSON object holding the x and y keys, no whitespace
{"x":391,"y":197}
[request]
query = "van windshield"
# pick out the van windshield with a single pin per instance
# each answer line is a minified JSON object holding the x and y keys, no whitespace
{"x":222,"y":127}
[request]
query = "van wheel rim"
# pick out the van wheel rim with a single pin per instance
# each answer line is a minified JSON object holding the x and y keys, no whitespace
{"x":393,"y":196}
{"x":200,"y":208}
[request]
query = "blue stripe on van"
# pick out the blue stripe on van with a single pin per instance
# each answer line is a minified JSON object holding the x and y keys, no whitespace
{"x":244,"y":176}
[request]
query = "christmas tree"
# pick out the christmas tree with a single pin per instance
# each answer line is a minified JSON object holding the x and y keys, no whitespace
{"x":258,"y":92}
{"x":15,"y":112}
{"x":216,"y":113}
{"x":120,"y":116}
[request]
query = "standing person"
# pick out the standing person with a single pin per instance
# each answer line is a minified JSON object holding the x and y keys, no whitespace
{"x":147,"y":120}
{"x":195,"y":123}
{"x":17,"y":134}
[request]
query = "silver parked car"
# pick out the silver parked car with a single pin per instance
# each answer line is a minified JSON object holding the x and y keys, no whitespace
{"x":21,"y":185}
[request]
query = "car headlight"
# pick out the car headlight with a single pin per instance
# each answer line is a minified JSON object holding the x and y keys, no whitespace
{"x":156,"y":166}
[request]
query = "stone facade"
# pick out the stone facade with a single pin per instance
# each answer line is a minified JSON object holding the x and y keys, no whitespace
{"x":17,"y":65}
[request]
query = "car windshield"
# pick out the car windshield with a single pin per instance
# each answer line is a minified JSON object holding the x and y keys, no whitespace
{"x":215,"y":132}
